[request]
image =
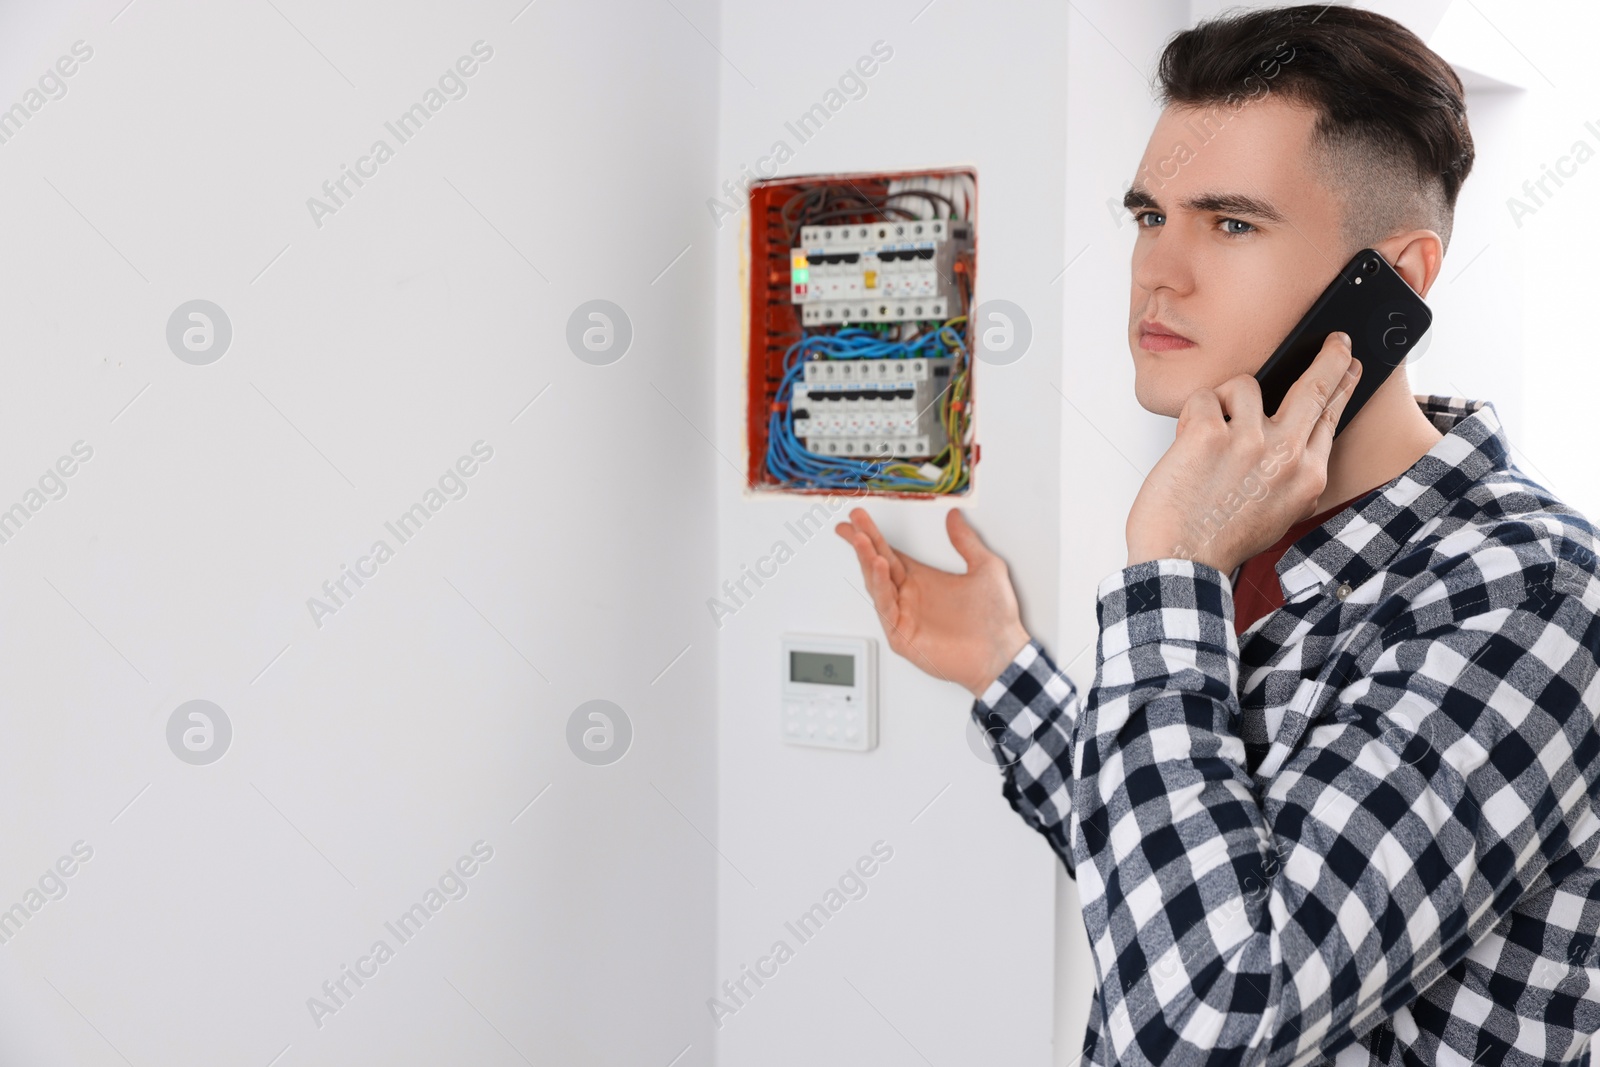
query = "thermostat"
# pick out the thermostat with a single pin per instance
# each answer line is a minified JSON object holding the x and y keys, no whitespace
{"x":830,"y":691}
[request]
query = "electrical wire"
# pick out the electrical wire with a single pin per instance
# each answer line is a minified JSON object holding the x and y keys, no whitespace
{"x":788,"y":459}
{"x":932,"y":197}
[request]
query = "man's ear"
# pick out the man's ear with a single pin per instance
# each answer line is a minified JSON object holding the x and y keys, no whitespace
{"x":1417,"y":255}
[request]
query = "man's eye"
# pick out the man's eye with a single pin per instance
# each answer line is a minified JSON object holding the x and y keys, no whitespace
{"x":1140,"y":216}
{"x":1237,"y":233}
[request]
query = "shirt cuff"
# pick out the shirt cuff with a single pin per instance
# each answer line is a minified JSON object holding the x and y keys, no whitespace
{"x":1161,"y":600}
{"x":1019,"y":663}
{"x":1025,"y":695}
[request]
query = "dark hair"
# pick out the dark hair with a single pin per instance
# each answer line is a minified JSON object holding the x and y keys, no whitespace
{"x":1392,"y":125}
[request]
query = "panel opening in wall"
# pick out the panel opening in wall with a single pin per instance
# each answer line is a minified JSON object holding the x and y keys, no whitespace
{"x":860,"y":352}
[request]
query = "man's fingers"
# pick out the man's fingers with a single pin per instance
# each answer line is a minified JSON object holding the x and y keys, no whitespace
{"x":965,"y":539}
{"x":1201,"y":406}
{"x":863,"y":522}
{"x":1240,"y":397}
{"x":882,"y":585}
{"x":1320,"y":444}
{"x":866,"y":552}
{"x":885,"y":596}
{"x":1319,"y":388}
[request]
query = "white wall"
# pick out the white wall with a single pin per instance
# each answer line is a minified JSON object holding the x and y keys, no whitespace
{"x":429,"y":711}
{"x":951,"y":952}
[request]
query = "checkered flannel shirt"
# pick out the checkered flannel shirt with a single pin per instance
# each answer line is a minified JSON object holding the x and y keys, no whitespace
{"x":1363,"y":831}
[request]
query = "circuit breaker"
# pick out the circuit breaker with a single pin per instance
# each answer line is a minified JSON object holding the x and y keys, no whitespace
{"x":860,"y":342}
{"x":885,"y":272}
{"x":876,"y":407}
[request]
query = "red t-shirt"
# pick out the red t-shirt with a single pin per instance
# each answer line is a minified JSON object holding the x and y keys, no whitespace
{"x":1257,"y":591}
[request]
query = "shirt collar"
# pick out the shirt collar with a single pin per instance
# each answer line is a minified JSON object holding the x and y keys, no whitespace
{"x":1363,"y":538}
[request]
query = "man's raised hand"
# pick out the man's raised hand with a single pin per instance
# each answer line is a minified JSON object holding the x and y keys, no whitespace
{"x":964,"y":628}
{"x":1228,"y":451}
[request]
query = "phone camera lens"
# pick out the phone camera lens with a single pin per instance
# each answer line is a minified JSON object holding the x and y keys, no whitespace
{"x":1369,"y":267}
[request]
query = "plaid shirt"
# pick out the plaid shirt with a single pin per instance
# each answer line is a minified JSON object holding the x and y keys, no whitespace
{"x":1363,"y":831}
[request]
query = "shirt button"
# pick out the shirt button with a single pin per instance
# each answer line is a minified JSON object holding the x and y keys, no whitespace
{"x":1343,"y":590}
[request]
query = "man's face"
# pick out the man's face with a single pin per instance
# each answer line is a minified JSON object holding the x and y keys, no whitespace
{"x":1209,"y":263}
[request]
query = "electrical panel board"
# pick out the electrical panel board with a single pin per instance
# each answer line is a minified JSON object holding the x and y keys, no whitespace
{"x":860,"y":373}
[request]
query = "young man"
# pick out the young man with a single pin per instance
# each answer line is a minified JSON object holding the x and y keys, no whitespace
{"x":1331,"y":796}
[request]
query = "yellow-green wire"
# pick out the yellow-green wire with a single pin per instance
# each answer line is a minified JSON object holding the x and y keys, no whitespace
{"x":954,"y":475}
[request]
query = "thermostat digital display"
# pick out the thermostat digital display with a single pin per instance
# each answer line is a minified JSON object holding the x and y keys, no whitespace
{"x":822,"y":668}
{"x":829,"y":692}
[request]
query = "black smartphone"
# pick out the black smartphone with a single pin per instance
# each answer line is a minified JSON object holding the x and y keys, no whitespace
{"x":1368,"y":300}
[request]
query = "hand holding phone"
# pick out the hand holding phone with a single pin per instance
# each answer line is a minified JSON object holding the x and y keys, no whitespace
{"x":1371,"y":302}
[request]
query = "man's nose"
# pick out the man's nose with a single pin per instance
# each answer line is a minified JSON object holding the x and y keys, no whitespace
{"x":1165,"y":262}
